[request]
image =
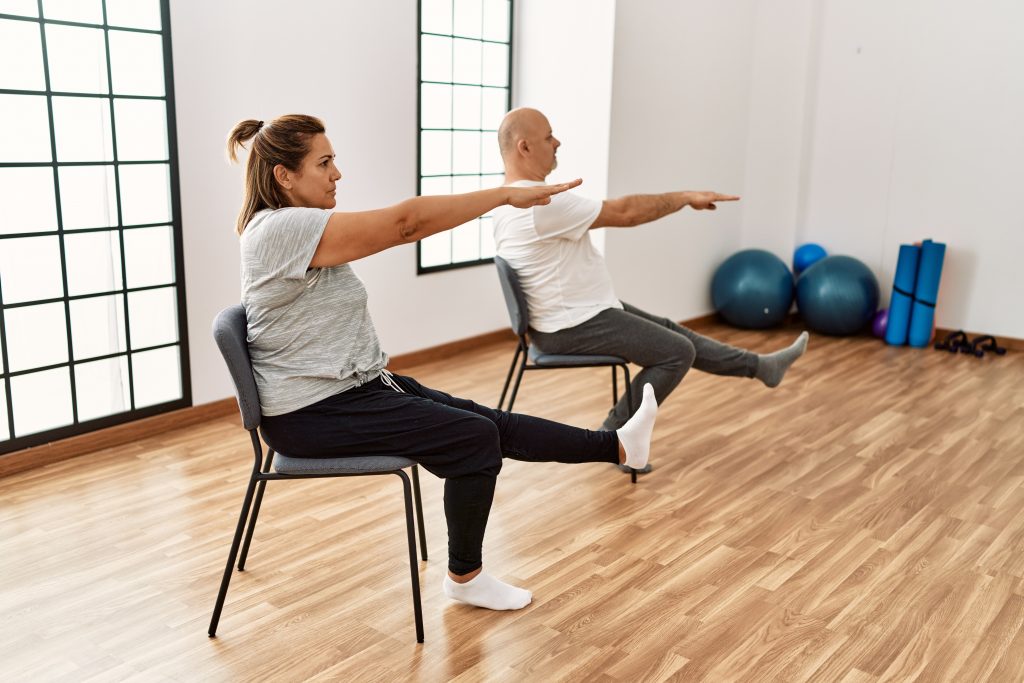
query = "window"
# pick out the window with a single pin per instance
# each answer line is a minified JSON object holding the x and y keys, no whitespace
{"x":465,"y":90}
{"x":92,"y":310}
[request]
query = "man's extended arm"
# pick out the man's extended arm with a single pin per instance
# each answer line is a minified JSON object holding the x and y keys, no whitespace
{"x":636,"y":209}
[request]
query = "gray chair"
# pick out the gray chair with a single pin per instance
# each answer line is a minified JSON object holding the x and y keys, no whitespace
{"x":528,"y":357}
{"x":229,"y":330}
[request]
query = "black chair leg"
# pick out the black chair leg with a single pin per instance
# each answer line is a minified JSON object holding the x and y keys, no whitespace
{"x":629,"y":401}
{"x":508,"y":379}
{"x":419,"y":510}
{"x":615,"y":386}
{"x":413,"y":568}
{"x":215,"y":619}
{"x":515,"y":387}
{"x":255,"y":511}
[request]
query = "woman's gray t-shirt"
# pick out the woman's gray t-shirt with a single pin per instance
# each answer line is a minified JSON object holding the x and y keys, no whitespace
{"x":310,"y":333}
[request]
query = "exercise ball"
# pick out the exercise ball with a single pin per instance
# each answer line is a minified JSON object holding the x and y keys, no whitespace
{"x":752,"y":288}
{"x":880,"y":322}
{"x":806,"y":255}
{"x":838,"y":295}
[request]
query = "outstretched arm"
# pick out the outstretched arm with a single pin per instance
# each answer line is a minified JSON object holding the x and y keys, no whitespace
{"x":636,"y":209}
{"x":351,"y":236}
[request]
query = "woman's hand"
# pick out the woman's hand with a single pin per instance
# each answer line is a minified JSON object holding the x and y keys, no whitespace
{"x":525,"y":197}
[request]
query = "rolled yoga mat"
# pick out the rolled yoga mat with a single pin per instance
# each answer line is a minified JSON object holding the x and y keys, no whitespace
{"x":926,"y":292}
{"x":901,"y":303}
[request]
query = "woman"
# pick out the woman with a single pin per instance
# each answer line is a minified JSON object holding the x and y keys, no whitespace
{"x":323,"y":386}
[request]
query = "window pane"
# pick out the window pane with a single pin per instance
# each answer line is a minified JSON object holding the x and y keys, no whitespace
{"x":93,"y":262}
{"x":153,"y":317}
{"x":466,"y":107}
{"x":435,"y":58}
{"x":82,"y":11}
{"x":26,"y":195}
{"x":149,"y":256}
{"x":489,"y":181}
{"x":157,"y":376}
{"x":141,"y":129}
{"x":462,"y":184}
{"x":436,"y":250}
{"x":5,"y":432}
{"x":466,"y":241}
{"x":436,"y":16}
{"x":77,"y":58}
{"x":495,"y":64}
{"x":30,"y":269}
{"x":435,"y":106}
{"x":487,"y":249}
{"x":41,"y":400}
{"x":490,"y":154}
{"x":435,"y":153}
{"x":468,"y":18}
{"x":466,"y":61}
{"x":136,"y":63}
{"x":495,"y":105}
{"x":465,"y":152}
{"x":496,"y":16}
{"x":24,"y":129}
{"x":36,"y":336}
{"x":87,"y":197}
{"x":97,"y":326}
{"x":24,"y":8}
{"x":134,"y":14}
{"x":145,"y":194}
{"x":434,"y":186}
{"x":102,"y":388}
{"x":82,"y":128}
{"x":21,"y":44}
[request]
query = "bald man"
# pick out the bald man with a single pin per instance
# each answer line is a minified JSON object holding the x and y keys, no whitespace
{"x":572,"y":304}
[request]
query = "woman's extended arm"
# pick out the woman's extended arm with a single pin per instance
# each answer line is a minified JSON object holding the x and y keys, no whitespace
{"x":353,"y":235}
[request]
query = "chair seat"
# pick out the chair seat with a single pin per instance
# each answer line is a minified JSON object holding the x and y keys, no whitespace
{"x":284,"y":464}
{"x":555,"y":360}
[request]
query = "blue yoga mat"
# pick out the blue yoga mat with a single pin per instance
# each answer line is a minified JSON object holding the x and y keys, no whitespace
{"x":926,"y":291}
{"x":901,"y":303}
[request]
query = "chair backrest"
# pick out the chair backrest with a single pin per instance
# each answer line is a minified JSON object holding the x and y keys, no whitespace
{"x":515,"y":300}
{"x":229,"y":331}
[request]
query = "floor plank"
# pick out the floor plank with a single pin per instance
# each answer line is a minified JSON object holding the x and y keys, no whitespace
{"x":862,"y":522}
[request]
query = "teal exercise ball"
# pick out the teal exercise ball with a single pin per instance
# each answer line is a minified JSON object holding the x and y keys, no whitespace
{"x":838,"y":295}
{"x":752,"y":288}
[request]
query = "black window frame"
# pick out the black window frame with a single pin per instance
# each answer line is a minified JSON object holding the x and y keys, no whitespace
{"x":77,"y":427}
{"x":420,"y":269}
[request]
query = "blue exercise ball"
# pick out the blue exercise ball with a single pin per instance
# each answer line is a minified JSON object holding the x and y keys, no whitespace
{"x":838,"y":295}
{"x":806,"y":255}
{"x":752,"y":288}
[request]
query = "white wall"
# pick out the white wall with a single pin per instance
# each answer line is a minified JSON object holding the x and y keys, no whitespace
{"x":353,"y":63}
{"x":917,"y":133}
{"x":682,"y":87}
{"x":563,"y":67}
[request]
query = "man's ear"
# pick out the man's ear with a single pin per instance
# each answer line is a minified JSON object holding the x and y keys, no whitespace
{"x":283,"y":176}
{"x":522,"y":146}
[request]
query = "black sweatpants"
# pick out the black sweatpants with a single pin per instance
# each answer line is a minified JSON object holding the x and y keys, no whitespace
{"x":456,"y":439}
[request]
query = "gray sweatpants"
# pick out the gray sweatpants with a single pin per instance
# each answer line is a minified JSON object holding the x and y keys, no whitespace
{"x":664,"y":349}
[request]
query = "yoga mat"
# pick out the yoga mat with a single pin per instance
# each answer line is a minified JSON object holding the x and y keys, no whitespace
{"x":926,"y":291}
{"x":902,"y":300}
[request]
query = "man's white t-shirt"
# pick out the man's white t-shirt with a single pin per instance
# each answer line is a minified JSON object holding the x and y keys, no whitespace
{"x":564,"y":277}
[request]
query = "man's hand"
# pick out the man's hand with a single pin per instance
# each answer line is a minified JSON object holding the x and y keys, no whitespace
{"x":701,"y":200}
{"x":525,"y":197}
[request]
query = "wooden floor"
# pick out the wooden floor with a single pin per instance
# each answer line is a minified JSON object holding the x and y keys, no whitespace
{"x":862,"y":522}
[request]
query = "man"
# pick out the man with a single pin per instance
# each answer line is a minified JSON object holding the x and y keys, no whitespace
{"x":572,"y":305}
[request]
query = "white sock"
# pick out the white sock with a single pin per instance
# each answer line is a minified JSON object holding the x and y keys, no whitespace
{"x":483,"y":590}
{"x":635,"y":435}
